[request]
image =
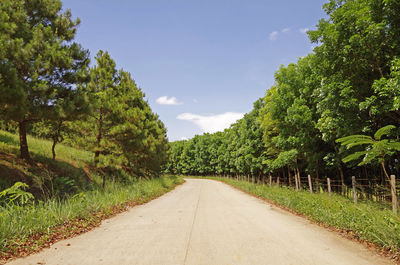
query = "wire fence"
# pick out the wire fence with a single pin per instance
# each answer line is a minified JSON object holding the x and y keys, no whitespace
{"x":361,"y":188}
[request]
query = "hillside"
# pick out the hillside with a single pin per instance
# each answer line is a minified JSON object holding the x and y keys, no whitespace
{"x":69,"y":173}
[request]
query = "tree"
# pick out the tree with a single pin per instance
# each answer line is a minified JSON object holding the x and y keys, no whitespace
{"x":72,"y":109}
{"x":384,"y":104}
{"x":377,"y":149}
{"x":137,"y":136}
{"x":40,"y":64}
{"x":104,"y":96}
{"x":357,"y":43}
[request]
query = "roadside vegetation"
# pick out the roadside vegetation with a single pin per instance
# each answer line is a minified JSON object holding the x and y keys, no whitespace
{"x":365,"y":220}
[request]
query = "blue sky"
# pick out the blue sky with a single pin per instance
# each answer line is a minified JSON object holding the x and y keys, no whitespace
{"x":201,"y":64}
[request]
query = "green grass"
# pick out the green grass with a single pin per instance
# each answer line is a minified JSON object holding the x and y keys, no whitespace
{"x":41,"y":148}
{"x":368,"y":220}
{"x":21,"y":222}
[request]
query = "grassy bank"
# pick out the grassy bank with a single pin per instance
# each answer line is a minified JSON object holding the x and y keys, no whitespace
{"x":18,"y":224}
{"x":366,"y":220}
{"x":68,"y":174}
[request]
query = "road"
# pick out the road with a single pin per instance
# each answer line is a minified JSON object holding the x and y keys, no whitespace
{"x":206,"y":222}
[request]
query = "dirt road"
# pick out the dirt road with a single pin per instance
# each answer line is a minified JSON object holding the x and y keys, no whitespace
{"x":206,"y":222}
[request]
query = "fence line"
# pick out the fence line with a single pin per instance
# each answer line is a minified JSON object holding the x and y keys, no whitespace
{"x":373,"y":189}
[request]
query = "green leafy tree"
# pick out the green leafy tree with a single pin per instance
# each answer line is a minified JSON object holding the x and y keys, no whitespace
{"x":384,"y":104}
{"x":39,"y":62}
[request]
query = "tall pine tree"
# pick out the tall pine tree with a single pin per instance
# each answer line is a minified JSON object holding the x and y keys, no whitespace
{"x":39,"y":62}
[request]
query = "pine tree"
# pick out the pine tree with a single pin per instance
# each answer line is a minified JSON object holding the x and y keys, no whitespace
{"x":39,"y":62}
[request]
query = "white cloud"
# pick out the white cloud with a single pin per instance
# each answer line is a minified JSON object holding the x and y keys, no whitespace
{"x":184,"y":138}
{"x":273,"y":35}
{"x":164,"y":100}
{"x":285,"y":30}
{"x":304,"y":30}
{"x":211,"y":123}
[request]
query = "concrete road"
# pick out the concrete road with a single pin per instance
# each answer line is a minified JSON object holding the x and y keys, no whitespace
{"x":206,"y":222}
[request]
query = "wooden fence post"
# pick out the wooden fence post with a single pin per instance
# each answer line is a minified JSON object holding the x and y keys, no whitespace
{"x":353,"y":181}
{"x":270,"y":179}
{"x":394,"y":196}
{"x":296,"y":181}
{"x":277,"y":181}
{"x":310,"y":184}
{"x":299,"y":179}
{"x":329,"y":187}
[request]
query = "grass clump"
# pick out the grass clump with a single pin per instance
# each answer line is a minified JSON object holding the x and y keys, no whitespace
{"x":367,"y":220}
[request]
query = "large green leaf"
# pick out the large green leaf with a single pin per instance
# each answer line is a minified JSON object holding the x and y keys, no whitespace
{"x":353,"y":138}
{"x":383,"y":131}
{"x":354,"y":156}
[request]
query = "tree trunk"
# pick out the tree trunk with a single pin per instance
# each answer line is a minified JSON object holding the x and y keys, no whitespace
{"x":98,"y":139}
{"x":298,"y":175}
{"x":283,"y":174}
{"x":341,"y":177}
{"x":56,"y":138}
{"x":53,"y":149}
{"x":23,"y":143}
{"x":384,"y":169}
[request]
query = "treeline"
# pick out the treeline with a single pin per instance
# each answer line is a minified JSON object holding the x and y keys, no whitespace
{"x":349,"y":85}
{"x":48,"y":89}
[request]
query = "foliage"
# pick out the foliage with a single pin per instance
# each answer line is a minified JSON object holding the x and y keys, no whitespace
{"x":376,"y":148}
{"x":16,"y":194}
{"x":121,"y":130}
{"x":238,"y":150}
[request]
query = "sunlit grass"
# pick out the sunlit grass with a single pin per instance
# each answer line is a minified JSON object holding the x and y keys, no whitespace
{"x":9,"y":143}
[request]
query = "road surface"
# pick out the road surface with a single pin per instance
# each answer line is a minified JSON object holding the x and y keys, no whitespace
{"x":206,"y":222}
